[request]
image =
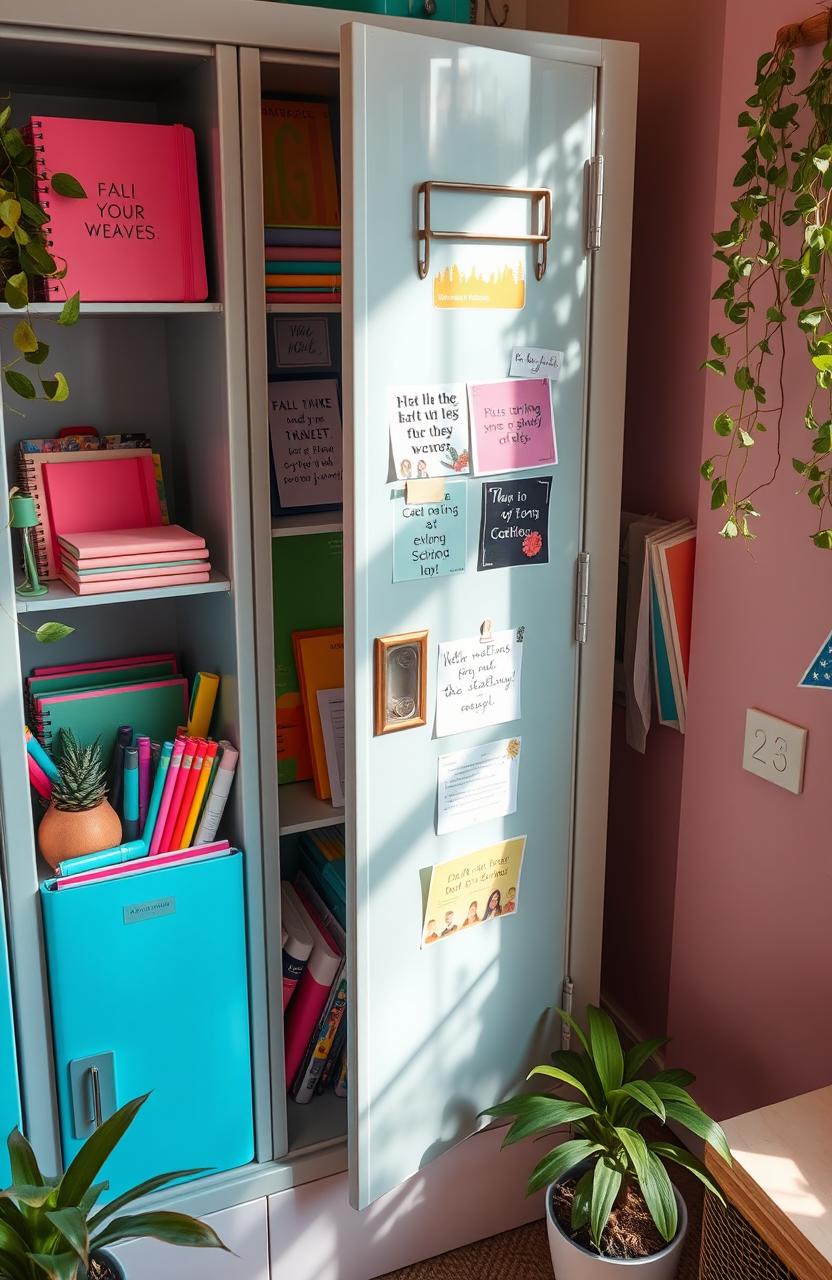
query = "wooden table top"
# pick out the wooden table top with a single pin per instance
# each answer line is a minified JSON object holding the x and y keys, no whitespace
{"x":781,"y":1179}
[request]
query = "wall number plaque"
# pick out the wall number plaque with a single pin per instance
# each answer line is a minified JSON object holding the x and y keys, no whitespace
{"x":401,"y":681}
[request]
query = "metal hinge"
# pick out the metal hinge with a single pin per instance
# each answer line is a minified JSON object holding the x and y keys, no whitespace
{"x":582,"y":602}
{"x":595,"y":203}
{"x":566,"y":1004}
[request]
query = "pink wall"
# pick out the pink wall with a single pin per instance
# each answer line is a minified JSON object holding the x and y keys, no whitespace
{"x":751,"y":978}
{"x":677,"y":122}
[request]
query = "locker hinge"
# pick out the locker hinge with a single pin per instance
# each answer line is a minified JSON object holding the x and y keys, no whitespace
{"x":566,"y":1005}
{"x":595,"y":203}
{"x":582,"y":603}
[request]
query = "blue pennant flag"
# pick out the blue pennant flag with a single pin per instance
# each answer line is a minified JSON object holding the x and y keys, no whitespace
{"x":819,"y":673}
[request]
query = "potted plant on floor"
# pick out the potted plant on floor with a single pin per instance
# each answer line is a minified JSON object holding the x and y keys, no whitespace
{"x":50,"y":1228}
{"x":609,"y":1199}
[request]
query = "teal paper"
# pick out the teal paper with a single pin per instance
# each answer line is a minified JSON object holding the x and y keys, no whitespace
{"x":429,"y":539}
{"x":664,"y":680}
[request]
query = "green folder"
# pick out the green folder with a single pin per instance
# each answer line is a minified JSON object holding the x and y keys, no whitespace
{"x":72,"y":680}
{"x":154,"y":708}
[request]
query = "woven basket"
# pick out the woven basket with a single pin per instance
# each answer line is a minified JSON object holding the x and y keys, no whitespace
{"x":732,"y":1249}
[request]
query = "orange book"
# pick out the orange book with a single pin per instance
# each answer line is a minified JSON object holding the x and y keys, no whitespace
{"x":304,"y":282}
{"x":300,"y":188}
{"x":319,"y":659}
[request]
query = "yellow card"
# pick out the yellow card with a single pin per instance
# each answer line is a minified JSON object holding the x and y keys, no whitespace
{"x":473,"y":890}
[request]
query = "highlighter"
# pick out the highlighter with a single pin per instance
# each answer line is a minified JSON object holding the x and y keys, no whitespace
{"x":131,"y":793}
{"x":40,"y":757}
{"x":143,"y":745}
{"x":167,"y":793}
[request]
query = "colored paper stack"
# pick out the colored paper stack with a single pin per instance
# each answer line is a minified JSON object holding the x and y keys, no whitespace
{"x":132,"y":559}
{"x":301,"y":207}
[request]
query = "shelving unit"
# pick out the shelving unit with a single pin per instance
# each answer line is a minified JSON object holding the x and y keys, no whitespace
{"x":301,"y":810}
{"x":60,"y":596}
{"x":121,"y":309}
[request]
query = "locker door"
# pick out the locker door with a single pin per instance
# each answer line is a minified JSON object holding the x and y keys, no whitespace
{"x":438,"y":1033}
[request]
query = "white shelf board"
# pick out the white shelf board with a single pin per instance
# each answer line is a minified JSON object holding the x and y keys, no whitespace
{"x":312,"y":1124}
{"x":299,"y":809}
{"x":289,"y":526}
{"x":120,"y":308}
{"x":303,"y":308}
{"x":60,"y":596}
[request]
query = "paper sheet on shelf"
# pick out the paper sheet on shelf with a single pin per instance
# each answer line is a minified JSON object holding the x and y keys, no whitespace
{"x":331,"y":707}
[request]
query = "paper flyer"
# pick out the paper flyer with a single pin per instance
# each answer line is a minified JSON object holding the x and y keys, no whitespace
{"x":473,"y":890}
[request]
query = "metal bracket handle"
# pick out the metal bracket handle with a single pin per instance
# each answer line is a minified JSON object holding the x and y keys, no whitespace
{"x":97,"y":1114}
{"x":541,"y":198}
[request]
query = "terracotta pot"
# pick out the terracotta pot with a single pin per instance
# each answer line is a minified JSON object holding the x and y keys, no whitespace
{"x":572,"y":1262}
{"x":65,"y":834}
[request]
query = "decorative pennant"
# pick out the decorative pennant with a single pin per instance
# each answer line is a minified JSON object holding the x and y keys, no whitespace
{"x":819,"y":672}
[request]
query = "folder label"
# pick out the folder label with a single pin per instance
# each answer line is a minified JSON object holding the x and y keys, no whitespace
{"x":137,"y":912}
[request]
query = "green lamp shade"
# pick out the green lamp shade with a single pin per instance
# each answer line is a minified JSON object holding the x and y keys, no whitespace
{"x":24,"y":515}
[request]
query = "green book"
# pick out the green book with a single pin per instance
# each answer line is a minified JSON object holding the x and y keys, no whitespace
{"x":154,"y":708}
{"x":308,"y":593}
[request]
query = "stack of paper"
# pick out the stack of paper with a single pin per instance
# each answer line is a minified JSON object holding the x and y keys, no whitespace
{"x":130,"y":559}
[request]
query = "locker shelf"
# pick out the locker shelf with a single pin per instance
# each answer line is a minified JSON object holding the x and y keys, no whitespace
{"x":289,"y":526}
{"x":121,"y":309}
{"x":303,"y":308}
{"x":301,"y":810}
{"x":317,"y":1123}
{"x":60,"y":596}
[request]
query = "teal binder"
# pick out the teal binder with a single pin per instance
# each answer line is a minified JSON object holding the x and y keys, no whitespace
{"x":149,"y":991}
{"x":668,"y":712}
{"x":10,"y":1116}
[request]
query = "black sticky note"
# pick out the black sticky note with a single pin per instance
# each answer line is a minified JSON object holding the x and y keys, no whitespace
{"x":514,"y":528}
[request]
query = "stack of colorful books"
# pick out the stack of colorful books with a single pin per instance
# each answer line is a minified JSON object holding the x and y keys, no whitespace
{"x":301,"y":207}
{"x":163,"y":555}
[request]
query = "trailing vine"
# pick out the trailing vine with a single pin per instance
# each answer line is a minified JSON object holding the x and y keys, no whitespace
{"x":780,"y":184}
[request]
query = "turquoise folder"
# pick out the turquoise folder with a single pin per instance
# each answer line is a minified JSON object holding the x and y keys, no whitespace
{"x":149,"y":992}
{"x":664,"y":680}
{"x":10,"y":1117}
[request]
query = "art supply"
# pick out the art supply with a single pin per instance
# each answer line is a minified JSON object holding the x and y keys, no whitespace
{"x":167,"y":794}
{"x":182,"y":775}
{"x":143,"y":748}
{"x":40,"y":757}
{"x":155,"y":752}
{"x":38,"y":778}
{"x":130,"y":805}
{"x":176,"y":841}
{"x":203,"y":698}
{"x":116,"y":775}
{"x":218,"y":795}
{"x":206,"y":773}
{"x":115,"y":871}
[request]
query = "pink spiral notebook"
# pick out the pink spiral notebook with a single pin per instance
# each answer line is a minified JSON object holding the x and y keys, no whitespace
{"x":137,"y":235}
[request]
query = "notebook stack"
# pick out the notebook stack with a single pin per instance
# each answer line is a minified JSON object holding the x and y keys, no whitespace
{"x":132,"y":559}
{"x":301,"y":206}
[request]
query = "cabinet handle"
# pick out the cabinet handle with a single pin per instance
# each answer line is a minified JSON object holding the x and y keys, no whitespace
{"x":97,"y":1115}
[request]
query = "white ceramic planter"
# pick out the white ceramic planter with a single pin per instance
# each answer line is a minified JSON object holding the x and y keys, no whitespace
{"x":572,"y":1262}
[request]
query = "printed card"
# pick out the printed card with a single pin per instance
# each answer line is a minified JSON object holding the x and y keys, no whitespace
{"x":429,"y":538}
{"x":428,"y":430}
{"x":514,"y":528}
{"x":512,"y":425}
{"x":478,"y":682}
{"x":302,"y":340}
{"x":477,"y":785}
{"x":473,"y":890}
{"x":305,"y":430}
{"x":534,"y":362}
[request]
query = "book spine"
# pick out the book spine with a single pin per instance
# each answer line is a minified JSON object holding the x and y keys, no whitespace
{"x":308,"y":1076}
{"x":42,"y":190}
{"x":326,"y":1076}
{"x":293,"y":967}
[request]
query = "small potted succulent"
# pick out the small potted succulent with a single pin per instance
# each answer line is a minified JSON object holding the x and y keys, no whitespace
{"x":80,"y":819}
{"x":50,"y":1228}
{"x":609,"y":1199}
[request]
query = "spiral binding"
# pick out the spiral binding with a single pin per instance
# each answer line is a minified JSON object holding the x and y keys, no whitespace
{"x":53,"y":290}
{"x":27,"y":480}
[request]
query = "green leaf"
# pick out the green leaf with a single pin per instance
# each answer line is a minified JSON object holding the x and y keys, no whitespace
{"x":33,"y":212}
{"x":72,"y":1226}
{"x":23,"y":1161}
{"x":823,"y":362}
{"x":65,"y":185}
{"x":800,"y":467}
{"x":742,"y":378}
{"x":775,"y":316}
{"x":13,"y":142}
{"x":160,"y":1224}
{"x":719,"y":345}
{"x":16,"y":291}
{"x":145,"y":1188}
{"x":706,"y":471}
{"x":716,"y":366}
{"x":87,"y":1162}
{"x":582,"y":1067}
{"x":783,"y":116}
{"x":729,"y":529}
{"x":564,"y":1076}
{"x":642,"y":1093}
{"x":694,"y":1118}
{"x":10,"y":212}
{"x":816,"y":494}
{"x":71,"y":310}
{"x":673,"y":1075}
{"x":803,"y":293}
{"x":635,"y":1058}
{"x":39,"y":355}
{"x":745,"y":439}
{"x":51,"y":632}
{"x":24,"y":337}
{"x":560,"y":1161}
{"x":811,"y":317}
{"x":579,"y":1032}
{"x":723,"y":424}
{"x":55,"y":389}
{"x":719,"y":496}
{"x":535,"y":1113}
{"x":57,"y":1266}
{"x":823,"y":539}
{"x":20,"y":384}
{"x":581,"y":1200}
{"x":653,"y":1181}
{"x":34,"y":1196}
{"x":667,"y":1151}
{"x":606,"y":1184}
{"x":605,"y":1047}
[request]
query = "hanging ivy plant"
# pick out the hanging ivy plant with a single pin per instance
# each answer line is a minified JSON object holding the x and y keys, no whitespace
{"x":25,"y":260}
{"x":783,"y":181}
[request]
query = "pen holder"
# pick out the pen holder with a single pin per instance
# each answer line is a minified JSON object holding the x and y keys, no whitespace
{"x":24,"y":517}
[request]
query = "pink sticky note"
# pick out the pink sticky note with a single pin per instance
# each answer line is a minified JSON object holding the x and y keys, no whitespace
{"x":512,"y":425}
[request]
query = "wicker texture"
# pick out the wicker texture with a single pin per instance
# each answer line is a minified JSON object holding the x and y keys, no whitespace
{"x":732,"y":1249}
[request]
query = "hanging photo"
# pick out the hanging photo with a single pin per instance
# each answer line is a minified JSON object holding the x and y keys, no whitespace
{"x":514,"y":529}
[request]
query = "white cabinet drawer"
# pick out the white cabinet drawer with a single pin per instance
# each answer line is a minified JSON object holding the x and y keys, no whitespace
{"x":243,"y":1229}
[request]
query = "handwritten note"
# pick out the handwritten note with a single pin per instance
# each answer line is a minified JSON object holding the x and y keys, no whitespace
{"x":302,"y":342}
{"x":331,"y":707}
{"x":533,"y":362}
{"x":428,"y":430}
{"x":477,"y":784}
{"x":478,"y":682}
{"x":512,"y":425}
{"x":514,"y":528}
{"x":305,"y":429}
{"x":429,"y":539}
{"x":473,"y":890}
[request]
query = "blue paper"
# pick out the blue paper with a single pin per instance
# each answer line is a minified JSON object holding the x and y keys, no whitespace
{"x":819,"y":672}
{"x":429,"y":539}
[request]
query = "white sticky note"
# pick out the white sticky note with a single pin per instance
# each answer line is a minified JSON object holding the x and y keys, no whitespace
{"x":477,"y":784}
{"x":535,"y":362}
{"x":478,"y":682}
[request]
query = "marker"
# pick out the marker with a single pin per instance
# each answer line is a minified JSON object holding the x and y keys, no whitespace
{"x":143,"y":745}
{"x":205,"y":775}
{"x":188,"y":795}
{"x":183,"y":774}
{"x":116,"y":775}
{"x":215,"y":804}
{"x":164,"y":806}
{"x":131,"y":793}
{"x":38,"y":779}
{"x":40,"y":757}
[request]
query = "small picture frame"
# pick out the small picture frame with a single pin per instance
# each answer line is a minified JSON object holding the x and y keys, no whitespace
{"x":401,"y":677}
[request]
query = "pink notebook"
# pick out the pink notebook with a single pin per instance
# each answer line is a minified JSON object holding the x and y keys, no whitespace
{"x":143,"y":543}
{"x":137,"y":236}
{"x":86,"y":588}
{"x":121,"y":571}
{"x":160,"y":558}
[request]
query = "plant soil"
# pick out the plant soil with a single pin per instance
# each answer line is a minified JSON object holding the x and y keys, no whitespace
{"x":100,"y":1269}
{"x":629,"y":1233}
